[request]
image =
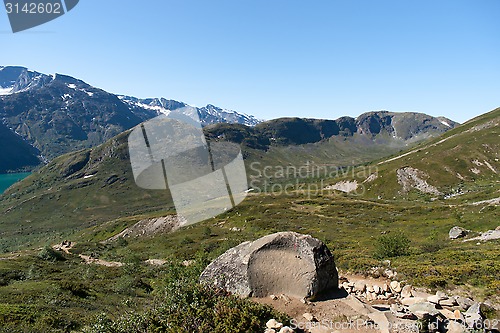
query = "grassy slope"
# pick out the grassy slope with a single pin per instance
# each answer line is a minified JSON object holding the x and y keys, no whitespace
{"x":448,"y":161}
{"x":59,"y":199}
{"x":350,"y":226}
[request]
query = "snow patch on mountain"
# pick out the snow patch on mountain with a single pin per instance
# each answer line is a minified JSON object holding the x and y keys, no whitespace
{"x":20,"y":79}
{"x":5,"y":91}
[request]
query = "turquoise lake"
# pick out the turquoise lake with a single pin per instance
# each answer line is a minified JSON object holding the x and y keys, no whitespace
{"x":8,"y":179}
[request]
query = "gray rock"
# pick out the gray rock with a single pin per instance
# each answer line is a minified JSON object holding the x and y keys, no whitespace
{"x":395,"y":287}
{"x":360,"y":286}
{"x":454,"y":327}
{"x":450,"y":302}
{"x":474,"y":315}
{"x":464,"y":302}
{"x":402,"y":312}
{"x":413,"y":300}
{"x":309,"y":317}
{"x":422,"y":310}
{"x":274,"y":324}
{"x":407,"y":291}
{"x":286,"y":329}
{"x":282,"y":263}
{"x":457,"y":232}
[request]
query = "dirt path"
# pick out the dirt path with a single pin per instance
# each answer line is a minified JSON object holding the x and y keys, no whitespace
{"x":340,"y":312}
{"x":90,"y":260}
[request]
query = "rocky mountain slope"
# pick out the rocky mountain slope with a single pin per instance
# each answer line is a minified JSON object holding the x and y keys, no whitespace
{"x":461,"y":164}
{"x":56,"y":114}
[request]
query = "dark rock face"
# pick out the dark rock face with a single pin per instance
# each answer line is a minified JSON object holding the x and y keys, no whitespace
{"x":283,"y":263}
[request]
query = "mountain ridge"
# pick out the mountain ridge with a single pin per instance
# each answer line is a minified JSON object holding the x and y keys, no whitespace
{"x":58,"y":114}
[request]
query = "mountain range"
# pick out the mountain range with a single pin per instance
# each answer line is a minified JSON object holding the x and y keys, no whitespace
{"x":44,"y":116}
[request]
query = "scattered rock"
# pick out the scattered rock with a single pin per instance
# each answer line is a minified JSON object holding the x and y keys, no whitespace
{"x":464,"y":302}
{"x":410,"y":178}
{"x":377,"y":290}
{"x":274,"y":324}
{"x":459,"y":316}
{"x":286,"y":329}
{"x":434,"y":299}
{"x":284,"y":262}
{"x":412,"y":300}
{"x":269,"y":330}
{"x":448,"y":314}
{"x":457,"y":232}
{"x":450,"y":302}
{"x":401,"y":312}
{"x":454,"y":327}
{"x":150,"y":227}
{"x":371,"y":296}
{"x":359,"y":286}
{"x":309,"y":317}
{"x":156,"y":262}
{"x":273,"y":297}
{"x":474,"y":316}
{"x":395,"y":287}
{"x":422,"y":310}
{"x":188,"y":263}
{"x":407,"y":291}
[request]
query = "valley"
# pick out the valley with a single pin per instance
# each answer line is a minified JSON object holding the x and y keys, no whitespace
{"x":89,"y":198}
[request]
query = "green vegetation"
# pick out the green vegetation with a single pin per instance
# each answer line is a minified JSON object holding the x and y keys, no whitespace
{"x":389,"y":246}
{"x":184,"y":306}
{"x":89,"y":196}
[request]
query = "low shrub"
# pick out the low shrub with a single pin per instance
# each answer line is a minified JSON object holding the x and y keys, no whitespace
{"x":392,"y":245}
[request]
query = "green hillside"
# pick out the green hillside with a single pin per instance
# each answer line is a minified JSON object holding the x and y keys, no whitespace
{"x":93,"y":186}
{"x":45,"y":292}
{"x":462,"y":164}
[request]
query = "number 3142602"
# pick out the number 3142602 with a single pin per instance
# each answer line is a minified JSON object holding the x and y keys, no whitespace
{"x":33,"y":8}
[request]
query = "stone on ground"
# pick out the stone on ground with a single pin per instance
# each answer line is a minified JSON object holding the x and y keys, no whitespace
{"x":282,"y":263}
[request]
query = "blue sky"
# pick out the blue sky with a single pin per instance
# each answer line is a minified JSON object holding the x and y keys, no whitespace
{"x":276,"y":58}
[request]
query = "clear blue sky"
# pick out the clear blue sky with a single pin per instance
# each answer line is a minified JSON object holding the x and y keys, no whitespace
{"x":275,"y":58}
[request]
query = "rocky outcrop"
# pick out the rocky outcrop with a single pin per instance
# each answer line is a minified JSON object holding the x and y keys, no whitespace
{"x":150,"y":227}
{"x":457,"y":232}
{"x":282,"y":263}
{"x":449,"y":314}
{"x":411,"y":178}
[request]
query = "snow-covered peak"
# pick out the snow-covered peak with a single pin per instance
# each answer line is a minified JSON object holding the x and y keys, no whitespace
{"x":208,"y":115}
{"x":20,"y":79}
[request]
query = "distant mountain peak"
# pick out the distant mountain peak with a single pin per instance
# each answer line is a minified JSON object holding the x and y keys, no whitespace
{"x":208,"y":115}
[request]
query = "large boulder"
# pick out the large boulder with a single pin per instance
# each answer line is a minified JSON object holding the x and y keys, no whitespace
{"x":282,"y":263}
{"x":457,"y":232}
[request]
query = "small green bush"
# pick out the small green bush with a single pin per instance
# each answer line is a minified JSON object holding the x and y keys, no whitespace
{"x":392,"y":245}
{"x":49,"y":254}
